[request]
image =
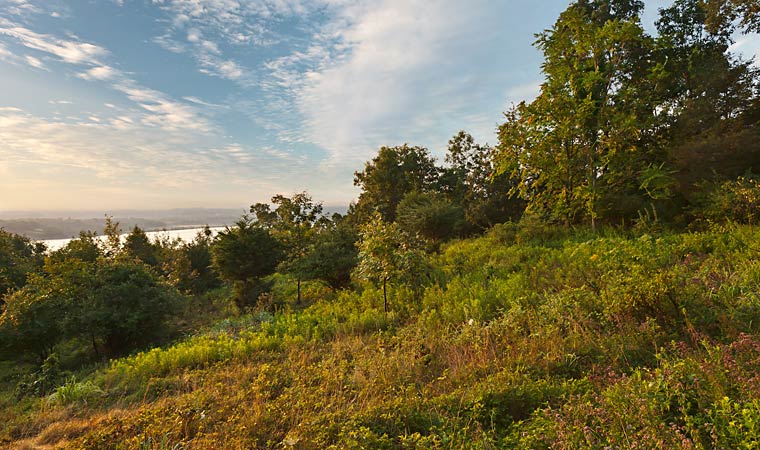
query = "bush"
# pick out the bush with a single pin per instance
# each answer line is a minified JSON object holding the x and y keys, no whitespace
{"x":116,"y":305}
{"x":737,"y":201}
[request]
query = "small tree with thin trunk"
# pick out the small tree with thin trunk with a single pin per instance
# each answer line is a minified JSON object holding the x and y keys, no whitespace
{"x":386,"y":255}
{"x":292,"y":222}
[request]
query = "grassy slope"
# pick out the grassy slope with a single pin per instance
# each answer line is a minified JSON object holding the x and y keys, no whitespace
{"x":521,"y":341}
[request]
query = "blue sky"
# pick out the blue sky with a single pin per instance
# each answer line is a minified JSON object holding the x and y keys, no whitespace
{"x":223,"y":103}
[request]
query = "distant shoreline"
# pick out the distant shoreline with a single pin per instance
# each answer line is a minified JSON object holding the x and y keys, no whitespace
{"x":186,"y":234}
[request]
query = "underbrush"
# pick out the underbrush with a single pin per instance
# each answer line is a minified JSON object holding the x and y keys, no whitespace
{"x":551,"y":340}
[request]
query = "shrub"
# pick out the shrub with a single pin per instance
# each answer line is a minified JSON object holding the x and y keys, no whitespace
{"x":73,"y":392}
{"x":737,"y":201}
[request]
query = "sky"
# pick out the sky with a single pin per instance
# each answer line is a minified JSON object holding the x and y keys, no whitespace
{"x":224,"y":103}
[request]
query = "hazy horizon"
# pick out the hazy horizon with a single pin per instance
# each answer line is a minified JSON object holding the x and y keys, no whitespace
{"x":130,"y":212}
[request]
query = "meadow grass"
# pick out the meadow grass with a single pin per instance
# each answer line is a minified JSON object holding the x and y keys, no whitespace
{"x":555,"y":340}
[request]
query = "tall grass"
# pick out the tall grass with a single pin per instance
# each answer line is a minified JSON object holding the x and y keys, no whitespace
{"x":519,"y":340}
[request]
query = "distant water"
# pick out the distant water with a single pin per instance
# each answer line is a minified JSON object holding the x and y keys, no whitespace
{"x":186,"y":235}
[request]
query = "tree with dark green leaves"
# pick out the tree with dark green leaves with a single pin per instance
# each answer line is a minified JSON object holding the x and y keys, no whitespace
{"x":198,"y":254}
{"x":243,"y":255}
{"x":115,"y":304}
{"x":333,"y":254}
{"x":292,"y":222}
{"x":31,"y":323}
{"x":470,"y":180}
{"x":709,"y":98}
{"x":721,"y":13}
{"x":86,"y":248}
{"x":127,"y":307}
{"x":137,"y":245}
{"x":392,"y":174}
{"x":431,"y":217}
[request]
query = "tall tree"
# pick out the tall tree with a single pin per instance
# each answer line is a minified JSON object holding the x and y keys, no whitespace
{"x":709,"y":97}
{"x":580,"y":140}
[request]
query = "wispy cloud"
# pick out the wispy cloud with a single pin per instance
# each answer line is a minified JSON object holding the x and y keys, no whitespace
{"x":95,"y":151}
{"x":19,"y":7}
{"x":210,"y":29}
{"x":198,"y":101}
{"x":158,"y":109}
{"x":34,"y":62}
{"x":365,"y":73}
{"x":73,"y":52}
{"x":389,"y":69}
{"x":99,"y":73}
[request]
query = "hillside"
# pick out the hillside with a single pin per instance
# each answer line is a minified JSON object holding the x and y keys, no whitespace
{"x":590,"y":280}
{"x":527,"y":338}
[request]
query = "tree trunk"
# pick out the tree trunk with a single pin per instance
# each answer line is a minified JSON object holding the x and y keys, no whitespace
{"x":95,"y":346}
{"x":385,"y":297}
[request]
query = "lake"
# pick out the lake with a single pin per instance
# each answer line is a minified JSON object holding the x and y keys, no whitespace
{"x":187,"y":235}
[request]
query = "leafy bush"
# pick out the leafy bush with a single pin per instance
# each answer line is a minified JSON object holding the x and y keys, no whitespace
{"x":116,"y":305}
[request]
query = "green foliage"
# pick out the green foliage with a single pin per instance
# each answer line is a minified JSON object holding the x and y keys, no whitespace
{"x":31,"y":321}
{"x":333,"y":254}
{"x":18,"y":258}
{"x":526,"y":339}
{"x":471,"y":183}
{"x":737,"y":201}
{"x":430,"y":216}
{"x":721,"y":12}
{"x":85,"y":248}
{"x":73,"y":393}
{"x":386,"y":255}
{"x":42,"y":380}
{"x":572,"y":146}
{"x":628,"y":123}
{"x":127,"y":308}
{"x":392,"y":174}
{"x":137,"y":245}
{"x":198,"y":253}
{"x":243,"y":255}
{"x":118,"y":302}
{"x":293,"y":222}
{"x":163,"y":444}
{"x":710,"y":96}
